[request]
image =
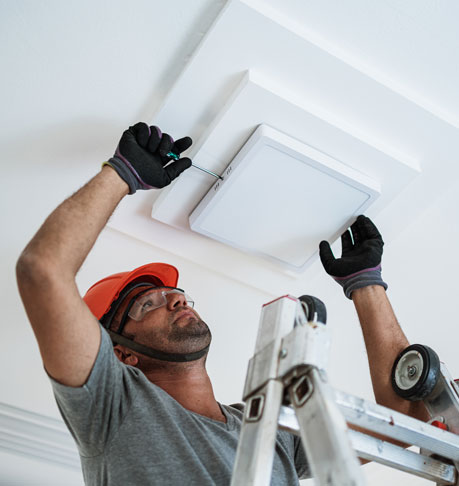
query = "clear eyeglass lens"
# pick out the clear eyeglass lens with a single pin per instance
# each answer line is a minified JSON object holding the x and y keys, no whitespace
{"x":152,"y":301}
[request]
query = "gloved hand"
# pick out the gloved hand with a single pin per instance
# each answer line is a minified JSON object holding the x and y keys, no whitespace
{"x":141,"y":157}
{"x":360,"y":263}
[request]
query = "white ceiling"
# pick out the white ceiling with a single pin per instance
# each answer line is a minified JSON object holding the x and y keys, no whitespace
{"x":411,"y":43}
{"x":75,"y":74}
{"x":311,"y":89}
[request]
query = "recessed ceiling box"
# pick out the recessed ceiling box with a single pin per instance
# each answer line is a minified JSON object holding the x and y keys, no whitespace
{"x":280,"y":197}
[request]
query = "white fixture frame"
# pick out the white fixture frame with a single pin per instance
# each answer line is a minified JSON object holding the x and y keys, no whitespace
{"x":267,"y":136}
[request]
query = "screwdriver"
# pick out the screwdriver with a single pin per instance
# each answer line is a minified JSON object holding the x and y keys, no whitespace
{"x":176,"y":157}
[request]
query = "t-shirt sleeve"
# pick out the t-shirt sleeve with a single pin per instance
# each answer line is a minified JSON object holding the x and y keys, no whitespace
{"x":301,"y":463}
{"x":94,"y":411}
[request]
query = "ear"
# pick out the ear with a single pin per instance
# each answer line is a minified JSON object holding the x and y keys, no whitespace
{"x":125,"y":355}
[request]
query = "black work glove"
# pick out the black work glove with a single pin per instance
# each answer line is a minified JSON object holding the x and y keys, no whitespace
{"x":360,"y":263}
{"x":141,"y":157}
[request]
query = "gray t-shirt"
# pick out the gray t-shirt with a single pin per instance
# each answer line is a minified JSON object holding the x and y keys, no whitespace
{"x":131,"y":432}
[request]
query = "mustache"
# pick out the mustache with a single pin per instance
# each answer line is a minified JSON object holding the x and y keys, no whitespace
{"x":175,"y":315}
{"x":180,"y":311}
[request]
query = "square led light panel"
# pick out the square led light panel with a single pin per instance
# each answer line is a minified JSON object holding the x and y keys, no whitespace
{"x":280,"y":197}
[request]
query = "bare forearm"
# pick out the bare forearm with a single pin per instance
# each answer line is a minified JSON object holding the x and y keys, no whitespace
{"x":68,"y":234}
{"x":384,"y":340}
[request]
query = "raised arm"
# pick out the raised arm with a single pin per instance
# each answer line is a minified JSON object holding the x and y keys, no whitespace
{"x":384,"y":340}
{"x":358,"y":271}
{"x":67,"y":333}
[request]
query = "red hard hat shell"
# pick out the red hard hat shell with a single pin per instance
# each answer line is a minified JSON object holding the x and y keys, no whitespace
{"x":100,"y":296}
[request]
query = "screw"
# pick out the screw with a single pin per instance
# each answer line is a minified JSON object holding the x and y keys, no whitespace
{"x":283,"y":353}
{"x":412,"y":370}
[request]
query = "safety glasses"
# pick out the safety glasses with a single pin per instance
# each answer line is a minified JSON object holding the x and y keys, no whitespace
{"x":153,"y":300}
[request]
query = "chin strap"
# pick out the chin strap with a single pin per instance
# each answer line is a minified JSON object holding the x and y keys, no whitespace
{"x":155,"y":353}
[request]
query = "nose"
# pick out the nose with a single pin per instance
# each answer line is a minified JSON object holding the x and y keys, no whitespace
{"x":175,"y":300}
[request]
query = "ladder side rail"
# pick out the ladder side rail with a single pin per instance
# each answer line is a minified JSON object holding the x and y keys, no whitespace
{"x":256,"y":446}
{"x":444,"y":400}
{"x":277,"y":319}
{"x":323,"y":432}
{"x":263,"y":394}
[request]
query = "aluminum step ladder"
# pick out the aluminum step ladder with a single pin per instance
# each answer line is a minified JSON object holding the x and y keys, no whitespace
{"x":286,"y":387}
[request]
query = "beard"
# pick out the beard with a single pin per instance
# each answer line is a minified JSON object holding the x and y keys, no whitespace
{"x":194,"y":330}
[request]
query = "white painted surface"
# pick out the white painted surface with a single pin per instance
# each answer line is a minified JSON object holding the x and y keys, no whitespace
{"x":75,"y":75}
{"x":408,"y":44}
{"x":18,"y":470}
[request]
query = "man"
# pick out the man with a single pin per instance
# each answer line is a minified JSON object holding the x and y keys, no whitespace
{"x":146,"y":413}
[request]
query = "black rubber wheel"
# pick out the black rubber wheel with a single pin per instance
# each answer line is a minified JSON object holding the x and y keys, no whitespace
{"x":415,"y":372}
{"x":314,"y":309}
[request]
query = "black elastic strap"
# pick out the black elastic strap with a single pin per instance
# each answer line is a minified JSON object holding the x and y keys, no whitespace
{"x":155,"y":353}
{"x":106,"y":319}
{"x":128,"y":309}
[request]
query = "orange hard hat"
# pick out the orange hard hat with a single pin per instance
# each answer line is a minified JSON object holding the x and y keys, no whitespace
{"x":103,"y":293}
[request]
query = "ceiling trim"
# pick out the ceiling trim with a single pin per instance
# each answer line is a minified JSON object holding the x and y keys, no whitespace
{"x":407,"y":92}
{"x":36,"y":436}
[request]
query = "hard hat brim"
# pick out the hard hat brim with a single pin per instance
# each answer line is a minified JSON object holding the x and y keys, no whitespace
{"x":100,"y":296}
